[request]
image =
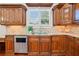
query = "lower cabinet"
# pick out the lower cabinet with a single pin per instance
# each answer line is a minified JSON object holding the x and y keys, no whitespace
{"x":9,"y":46}
{"x":58,"y":45}
{"x":65,"y":46}
{"x":76,"y":46}
{"x":45,"y":45}
{"x":70,"y":49}
{"x":33,"y":45}
{"x":39,"y":45}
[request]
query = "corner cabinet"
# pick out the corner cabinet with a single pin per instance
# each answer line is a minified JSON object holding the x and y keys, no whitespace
{"x":63,"y":15}
{"x":12,"y":15}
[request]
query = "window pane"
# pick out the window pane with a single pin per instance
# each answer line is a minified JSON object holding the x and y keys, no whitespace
{"x":44,"y":17}
{"x":34,"y":16}
{"x":34,"y":21}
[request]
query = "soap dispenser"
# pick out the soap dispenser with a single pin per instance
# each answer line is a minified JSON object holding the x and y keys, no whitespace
{"x":30,"y":29}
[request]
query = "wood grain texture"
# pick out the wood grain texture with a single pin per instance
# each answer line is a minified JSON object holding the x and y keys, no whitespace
{"x":34,"y":44}
{"x":39,"y":45}
{"x":70,"y":49}
{"x":9,"y":46}
{"x":45,"y":45}
{"x":12,"y":16}
{"x":59,"y":15}
{"x":39,"y":4}
{"x":58,"y":45}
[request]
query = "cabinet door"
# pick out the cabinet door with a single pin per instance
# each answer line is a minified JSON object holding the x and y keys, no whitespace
{"x":70,"y":50}
{"x":57,"y":17}
{"x":9,"y":45}
{"x":76,"y":46}
{"x":18,"y":16}
{"x":12,"y":16}
{"x":6,"y":14}
{"x":66,"y":14}
{"x":33,"y":45}
{"x":63,"y":15}
{"x":15,"y":16}
{"x":45,"y":42}
{"x":58,"y":45}
{"x":2,"y":15}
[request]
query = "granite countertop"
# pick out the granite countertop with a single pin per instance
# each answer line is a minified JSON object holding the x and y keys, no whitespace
{"x":70,"y":34}
{"x":52,"y":31}
{"x":58,"y":33}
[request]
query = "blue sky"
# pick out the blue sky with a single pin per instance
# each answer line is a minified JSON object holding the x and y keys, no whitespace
{"x":77,"y":15}
{"x":34,"y":14}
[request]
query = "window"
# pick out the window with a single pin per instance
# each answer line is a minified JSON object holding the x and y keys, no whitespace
{"x":77,"y":15}
{"x":39,"y":16}
{"x":39,"y":20}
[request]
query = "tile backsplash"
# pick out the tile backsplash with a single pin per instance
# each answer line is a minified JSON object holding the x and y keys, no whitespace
{"x":21,"y":30}
{"x":67,"y":29}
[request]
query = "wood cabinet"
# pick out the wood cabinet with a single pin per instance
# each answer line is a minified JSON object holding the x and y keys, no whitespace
{"x":76,"y":46}
{"x":45,"y":43}
{"x":57,"y":16}
{"x":39,"y":45}
{"x":67,"y":14}
{"x":63,"y":15}
{"x":65,"y":45}
{"x":58,"y":45}
{"x":12,"y":15}
{"x":9,"y":46}
{"x":33,"y":45}
{"x":70,"y":50}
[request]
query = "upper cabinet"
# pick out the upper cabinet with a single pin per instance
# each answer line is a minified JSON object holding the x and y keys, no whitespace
{"x":12,"y":15}
{"x":57,"y":19}
{"x":63,"y":14}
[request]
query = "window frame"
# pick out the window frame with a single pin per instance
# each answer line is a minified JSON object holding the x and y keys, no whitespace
{"x":43,"y":9}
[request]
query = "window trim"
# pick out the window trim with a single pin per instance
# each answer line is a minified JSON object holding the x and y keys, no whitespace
{"x":41,"y":8}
